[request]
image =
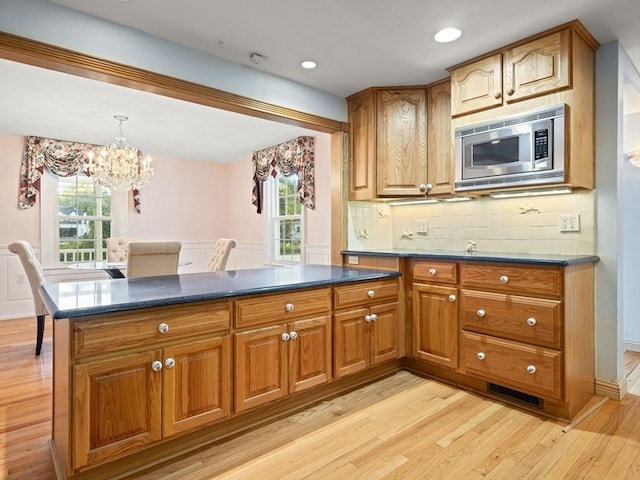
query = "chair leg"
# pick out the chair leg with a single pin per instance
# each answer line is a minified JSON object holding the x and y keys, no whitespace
{"x":40,"y":334}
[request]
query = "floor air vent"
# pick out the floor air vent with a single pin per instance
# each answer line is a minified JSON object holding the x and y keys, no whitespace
{"x":511,"y":394}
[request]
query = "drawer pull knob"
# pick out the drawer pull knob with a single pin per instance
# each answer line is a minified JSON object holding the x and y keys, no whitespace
{"x":368,"y":318}
{"x":432,"y":272}
{"x":289,"y":307}
{"x":371,"y":294}
{"x":452,"y":298}
{"x":481,"y":355}
{"x":531,"y":369}
{"x":285,"y":337}
{"x":156,"y":366}
{"x":374,"y":317}
{"x":504,"y":279}
{"x":531,"y":321}
{"x":496,"y":94}
{"x":481,"y":313}
{"x":169,"y":363}
{"x":163,"y":328}
{"x":293,"y":335}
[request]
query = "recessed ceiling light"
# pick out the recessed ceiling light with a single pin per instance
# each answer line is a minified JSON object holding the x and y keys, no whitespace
{"x":309,"y":64}
{"x":447,"y":35}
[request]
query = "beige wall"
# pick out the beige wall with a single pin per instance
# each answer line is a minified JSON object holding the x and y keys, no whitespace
{"x":514,"y":225}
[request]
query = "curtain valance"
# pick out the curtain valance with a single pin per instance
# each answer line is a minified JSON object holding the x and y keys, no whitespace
{"x":292,"y":157}
{"x":60,"y":157}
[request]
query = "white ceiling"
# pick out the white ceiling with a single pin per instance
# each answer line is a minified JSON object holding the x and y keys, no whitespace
{"x":357,"y":44}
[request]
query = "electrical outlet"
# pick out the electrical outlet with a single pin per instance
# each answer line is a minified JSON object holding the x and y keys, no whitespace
{"x":20,"y":278}
{"x":421,"y":227}
{"x":570,"y":222}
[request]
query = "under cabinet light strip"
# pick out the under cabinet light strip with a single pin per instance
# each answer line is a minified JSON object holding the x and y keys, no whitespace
{"x":530,"y":193}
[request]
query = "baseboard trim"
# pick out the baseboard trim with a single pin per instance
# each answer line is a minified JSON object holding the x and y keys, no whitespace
{"x":615,"y":391}
{"x":632,"y":346}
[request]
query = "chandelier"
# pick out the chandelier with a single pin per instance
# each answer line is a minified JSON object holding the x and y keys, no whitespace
{"x":119,"y":166}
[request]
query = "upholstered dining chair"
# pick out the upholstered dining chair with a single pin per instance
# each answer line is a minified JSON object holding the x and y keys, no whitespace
{"x":220,"y":254}
{"x":148,"y":259}
{"x":117,"y":248}
{"x":35,"y":275}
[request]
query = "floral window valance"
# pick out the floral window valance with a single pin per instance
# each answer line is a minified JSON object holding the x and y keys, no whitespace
{"x":292,"y":157}
{"x":60,"y":157}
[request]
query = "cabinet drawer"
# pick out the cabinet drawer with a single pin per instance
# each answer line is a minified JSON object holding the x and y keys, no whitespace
{"x":435,"y":271}
{"x":533,"y":370}
{"x":140,"y":328}
{"x":510,"y":278}
{"x":528,"y":319}
{"x":362,"y":294}
{"x":281,"y":307}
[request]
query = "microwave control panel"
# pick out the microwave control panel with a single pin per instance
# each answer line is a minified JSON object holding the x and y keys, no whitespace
{"x":541,"y":145}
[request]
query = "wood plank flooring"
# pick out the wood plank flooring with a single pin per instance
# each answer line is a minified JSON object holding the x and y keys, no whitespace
{"x":403,"y":427}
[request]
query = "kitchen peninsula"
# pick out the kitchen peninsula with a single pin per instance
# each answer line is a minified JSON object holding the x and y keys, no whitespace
{"x":146,"y":369}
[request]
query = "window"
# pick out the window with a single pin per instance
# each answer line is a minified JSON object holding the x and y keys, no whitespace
{"x":77,"y":218}
{"x":284,"y":213}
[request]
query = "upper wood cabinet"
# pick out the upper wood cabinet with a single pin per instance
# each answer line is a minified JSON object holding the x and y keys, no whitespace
{"x":534,"y":68}
{"x":400,"y":141}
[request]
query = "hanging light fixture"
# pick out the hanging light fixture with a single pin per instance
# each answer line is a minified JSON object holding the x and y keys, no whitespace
{"x":120,"y":166}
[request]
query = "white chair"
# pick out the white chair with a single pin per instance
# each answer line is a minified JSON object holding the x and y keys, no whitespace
{"x":220,"y":254}
{"x":35,"y":275}
{"x":117,"y":248}
{"x":148,"y":259}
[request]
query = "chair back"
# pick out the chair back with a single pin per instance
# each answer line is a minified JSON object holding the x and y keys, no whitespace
{"x":220,"y":254}
{"x":148,"y":259}
{"x":33,"y":269}
{"x":117,"y":248}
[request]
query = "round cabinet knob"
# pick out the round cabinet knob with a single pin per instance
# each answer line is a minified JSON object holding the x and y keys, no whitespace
{"x":432,"y":272}
{"x":169,"y":363}
{"x":511,"y":91}
{"x":425,"y":187}
{"x":531,"y":369}
{"x":293,"y":335}
{"x":368,"y":318}
{"x":452,"y":298}
{"x":481,"y":313}
{"x":374,"y":317}
{"x":481,"y":355}
{"x":285,"y":337}
{"x":371,"y":294}
{"x":289,"y":307}
{"x":496,"y":94}
{"x":156,"y":366}
{"x":163,"y":328}
{"x":531,"y":321}
{"x":504,"y":279}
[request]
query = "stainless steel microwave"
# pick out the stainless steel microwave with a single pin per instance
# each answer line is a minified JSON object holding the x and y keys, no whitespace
{"x":523,"y":150}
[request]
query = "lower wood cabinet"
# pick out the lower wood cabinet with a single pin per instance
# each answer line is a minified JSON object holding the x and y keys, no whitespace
{"x":275,"y":360}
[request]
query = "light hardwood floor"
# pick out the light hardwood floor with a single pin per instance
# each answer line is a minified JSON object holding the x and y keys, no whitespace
{"x":403,"y":427}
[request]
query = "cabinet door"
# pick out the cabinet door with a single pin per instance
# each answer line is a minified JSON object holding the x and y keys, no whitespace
{"x":116,"y":407}
{"x":477,"y":86}
{"x":350,"y":350}
{"x":435,"y":324}
{"x":383,"y":333}
{"x":309,"y":353}
{"x":196,"y":384}
{"x":439,"y":139}
{"x":401,"y":142}
{"x":362,"y":131}
{"x":260,"y":367}
{"x":537,"y":67}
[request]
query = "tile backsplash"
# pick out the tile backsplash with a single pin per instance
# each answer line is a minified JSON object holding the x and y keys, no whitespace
{"x":510,"y":225}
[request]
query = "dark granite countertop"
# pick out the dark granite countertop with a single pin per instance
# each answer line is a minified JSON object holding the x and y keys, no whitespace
{"x":528,"y":258}
{"x":77,"y":299}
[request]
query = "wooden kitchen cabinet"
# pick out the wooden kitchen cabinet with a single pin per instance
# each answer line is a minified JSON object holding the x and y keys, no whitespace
{"x":366,"y":326}
{"x":131,"y":397}
{"x":440,"y":165}
{"x":534,"y":68}
{"x":276,"y":359}
{"x":435,"y":312}
{"x":361,"y":111}
{"x":401,"y":142}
